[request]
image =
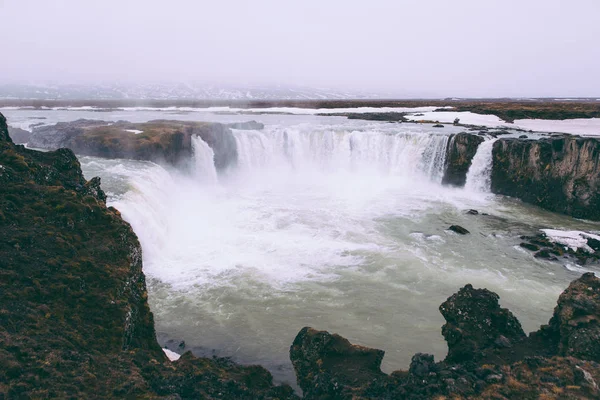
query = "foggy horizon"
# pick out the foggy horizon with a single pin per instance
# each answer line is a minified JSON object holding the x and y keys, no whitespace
{"x":392,"y":49}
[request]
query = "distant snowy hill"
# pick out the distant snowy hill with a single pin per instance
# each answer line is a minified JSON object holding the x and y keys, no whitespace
{"x":172,"y":92}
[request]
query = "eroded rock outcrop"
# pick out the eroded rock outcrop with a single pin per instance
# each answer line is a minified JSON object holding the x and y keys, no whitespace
{"x":560,"y":174}
{"x":475,"y":323}
{"x":459,"y":155}
{"x":489,"y":356}
{"x":74,"y":316}
{"x":574,"y":329}
{"x":160,"y":141}
{"x":326,"y":364}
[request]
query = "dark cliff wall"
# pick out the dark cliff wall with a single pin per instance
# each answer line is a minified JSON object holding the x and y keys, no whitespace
{"x":459,"y":154}
{"x":74,"y":316}
{"x":560,"y":174}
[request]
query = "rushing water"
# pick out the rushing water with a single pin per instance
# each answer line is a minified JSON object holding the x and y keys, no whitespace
{"x":336,"y":224}
{"x":479,"y":175}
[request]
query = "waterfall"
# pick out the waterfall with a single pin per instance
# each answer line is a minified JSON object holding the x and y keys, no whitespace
{"x":204,"y":161}
{"x":479,"y":177}
{"x":329,"y":150}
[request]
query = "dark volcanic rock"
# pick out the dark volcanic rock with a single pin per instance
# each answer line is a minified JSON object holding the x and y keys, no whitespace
{"x":18,"y":135}
{"x":326,"y":364}
{"x":546,"y":254}
{"x":4,"y":136}
{"x":438,"y":126}
{"x":458,"y":229}
{"x":459,"y":154}
{"x":560,"y":174}
{"x":575,"y":324}
{"x":594,"y":244}
{"x":475,"y":322}
{"x":529,"y":246}
{"x":550,"y":250}
{"x":74,"y":316}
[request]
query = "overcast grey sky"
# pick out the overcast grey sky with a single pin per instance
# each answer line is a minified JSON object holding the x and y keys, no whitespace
{"x":406,"y":47}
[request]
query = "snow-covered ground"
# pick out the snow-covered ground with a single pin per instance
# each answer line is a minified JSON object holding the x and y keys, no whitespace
{"x":584,"y":127}
{"x":465,"y":117}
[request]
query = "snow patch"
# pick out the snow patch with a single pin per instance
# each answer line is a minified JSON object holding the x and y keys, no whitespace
{"x":572,"y":239}
{"x":134,"y":131}
{"x":465,"y":117}
{"x":171,"y":355}
{"x":577,"y":126}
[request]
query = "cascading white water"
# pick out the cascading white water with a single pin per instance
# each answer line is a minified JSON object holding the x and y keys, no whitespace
{"x":401,"y":154}
{"x":479,"y":177}
{"x":339,"y":226}
{"x":204,"y":161}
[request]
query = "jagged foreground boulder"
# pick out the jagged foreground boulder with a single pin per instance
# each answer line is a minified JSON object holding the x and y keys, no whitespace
{"x":475,"y":323}
{"x":74,"y":316}
{"x":489,"y":355}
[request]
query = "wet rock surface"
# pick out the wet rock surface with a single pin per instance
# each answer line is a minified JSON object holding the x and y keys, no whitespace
{"x":459,"y":155}
{"x":475,"y":323}
{"x":545,"y":248}
{"x":458,"y":229}
{"x":560,"y":173}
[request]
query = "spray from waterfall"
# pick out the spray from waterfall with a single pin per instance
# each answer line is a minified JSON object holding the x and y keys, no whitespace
{"x":479,"y":176}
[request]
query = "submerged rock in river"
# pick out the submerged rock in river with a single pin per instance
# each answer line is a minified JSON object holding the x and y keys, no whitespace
{"x":458,"y":229}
